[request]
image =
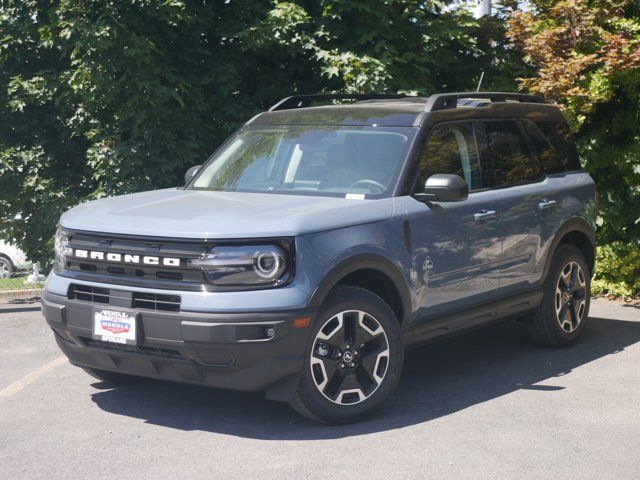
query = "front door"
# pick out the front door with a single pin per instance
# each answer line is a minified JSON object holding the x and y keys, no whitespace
{"x":457,"y":245}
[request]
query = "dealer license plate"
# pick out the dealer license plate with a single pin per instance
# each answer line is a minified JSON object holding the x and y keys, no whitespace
{"x":115,"y":326}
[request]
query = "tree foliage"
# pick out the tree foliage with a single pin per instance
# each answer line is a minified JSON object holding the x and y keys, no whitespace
{"x":585,"y":56}
{"x":103,"y":97}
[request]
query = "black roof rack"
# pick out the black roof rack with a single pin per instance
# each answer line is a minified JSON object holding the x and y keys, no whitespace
{"x":301,"y":101}
{"x":443,"y":101}
{"x":438,"y":101}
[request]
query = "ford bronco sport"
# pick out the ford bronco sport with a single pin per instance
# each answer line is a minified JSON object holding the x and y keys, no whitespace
{"x":322,"y":240}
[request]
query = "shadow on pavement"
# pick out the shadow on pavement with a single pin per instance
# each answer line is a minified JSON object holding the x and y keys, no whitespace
{"x":438,"y":379}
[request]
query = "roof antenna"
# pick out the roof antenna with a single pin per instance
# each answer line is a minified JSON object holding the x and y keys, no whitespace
{"x":480,"y":81}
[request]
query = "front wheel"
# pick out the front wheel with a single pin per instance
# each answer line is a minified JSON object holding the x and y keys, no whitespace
{"x":563,"y":313}
{"x":354,"y":358}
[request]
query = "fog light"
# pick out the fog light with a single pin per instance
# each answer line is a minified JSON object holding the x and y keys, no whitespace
{"x":269,"y":332}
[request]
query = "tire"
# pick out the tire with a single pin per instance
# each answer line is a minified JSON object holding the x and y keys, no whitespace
{"x":353,"y":360}
{"x":6,"y":267}
{"x":564,"y":311}
{"x":113,"y":378}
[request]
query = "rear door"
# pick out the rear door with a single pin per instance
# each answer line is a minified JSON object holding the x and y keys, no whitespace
{"x":522,"y":193}
{"x":552,"y":143}
{"x":456,"y":245}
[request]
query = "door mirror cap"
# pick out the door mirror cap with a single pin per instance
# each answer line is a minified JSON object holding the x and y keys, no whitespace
{"x":444,"y":187}
{"x":191,"y":173}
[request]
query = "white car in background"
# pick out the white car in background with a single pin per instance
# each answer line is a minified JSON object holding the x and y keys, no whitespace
{"x":12,"y":260}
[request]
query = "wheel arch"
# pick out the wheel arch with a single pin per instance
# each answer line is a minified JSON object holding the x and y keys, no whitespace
{"x":372,"y":272}
{"x":575,"y":232}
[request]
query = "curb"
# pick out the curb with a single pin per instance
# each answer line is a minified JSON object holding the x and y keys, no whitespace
{"x":21,"y":292}
{"x":15,"y":298}
{"x":16,"y":307}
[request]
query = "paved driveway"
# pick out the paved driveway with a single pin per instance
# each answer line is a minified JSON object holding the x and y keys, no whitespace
{"x":484,"y":405}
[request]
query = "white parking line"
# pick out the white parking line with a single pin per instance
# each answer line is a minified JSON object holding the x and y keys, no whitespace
{"x":29,"y":378}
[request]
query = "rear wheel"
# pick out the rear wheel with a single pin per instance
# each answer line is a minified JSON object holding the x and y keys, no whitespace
{"x":354,"y":358}
{"x":113,"y":378}
{"x":564,"y":310}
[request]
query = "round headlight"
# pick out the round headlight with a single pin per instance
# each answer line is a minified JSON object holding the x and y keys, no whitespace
{"x":268,"y":264}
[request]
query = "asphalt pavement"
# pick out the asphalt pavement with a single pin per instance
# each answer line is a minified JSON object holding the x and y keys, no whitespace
{"x":485,"y":405}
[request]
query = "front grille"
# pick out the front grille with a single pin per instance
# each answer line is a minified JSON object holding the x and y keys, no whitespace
{"x":183,"y":277}
{"x":123,"y":298}
{"x":87,"y":293}
{"x":153,"y":301}
{"x":142,"y":350}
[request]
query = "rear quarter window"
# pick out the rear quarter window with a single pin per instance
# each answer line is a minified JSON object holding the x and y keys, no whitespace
{"x":554,"y":145}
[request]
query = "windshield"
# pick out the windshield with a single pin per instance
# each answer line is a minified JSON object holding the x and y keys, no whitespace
{"x":356,"y":162}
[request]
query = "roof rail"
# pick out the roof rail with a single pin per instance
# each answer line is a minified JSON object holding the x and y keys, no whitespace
{"x":443,"y":101}
{"x":300,"y":101}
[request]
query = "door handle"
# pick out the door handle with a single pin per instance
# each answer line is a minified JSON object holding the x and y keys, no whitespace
{"x":484,"y":215}
{"x":545,"y":204}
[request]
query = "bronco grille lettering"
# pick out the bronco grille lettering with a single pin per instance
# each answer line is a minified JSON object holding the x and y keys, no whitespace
{"x":127,"y":258}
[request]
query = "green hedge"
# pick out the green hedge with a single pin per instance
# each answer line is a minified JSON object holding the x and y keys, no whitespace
{"x":618,"y":270}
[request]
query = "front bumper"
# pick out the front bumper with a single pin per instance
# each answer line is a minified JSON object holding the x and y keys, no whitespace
{"x":224,"y":350}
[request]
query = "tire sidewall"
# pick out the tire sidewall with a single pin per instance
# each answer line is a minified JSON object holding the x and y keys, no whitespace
{"x":564,"y":255}
{"x":352,"y":298}
{"x":8,"y":261}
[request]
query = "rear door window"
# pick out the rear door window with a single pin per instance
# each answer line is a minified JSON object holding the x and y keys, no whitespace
{"x":451,"y":149}
{"x":509,"y":154}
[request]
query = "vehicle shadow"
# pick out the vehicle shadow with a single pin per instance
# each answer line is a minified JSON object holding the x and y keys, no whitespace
{"x":438,"y":379}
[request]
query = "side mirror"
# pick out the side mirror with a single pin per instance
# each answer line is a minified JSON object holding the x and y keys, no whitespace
{"x":444,"y":187}
{"x":191,"y":173}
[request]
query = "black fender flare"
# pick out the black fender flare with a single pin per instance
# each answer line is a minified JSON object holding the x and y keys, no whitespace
{"x":362,"y":261}
{"x":576,"y":224}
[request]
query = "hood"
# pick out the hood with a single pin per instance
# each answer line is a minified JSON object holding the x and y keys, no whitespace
{"x":213,"y":215}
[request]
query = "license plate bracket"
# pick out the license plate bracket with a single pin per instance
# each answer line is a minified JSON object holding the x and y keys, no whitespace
{"x":115,"y":326}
